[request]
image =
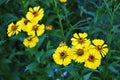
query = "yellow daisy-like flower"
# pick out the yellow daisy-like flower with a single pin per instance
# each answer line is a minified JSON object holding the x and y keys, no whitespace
{"x":94,"y":59}
{"x":35,"y":29}
{"x":80,"y":53}
{"x":35,"y":14}
{"x":62,"y":55}
{"x":13,"y":29}
{"x":23,"y":23}
{"x":100,"y":46}
{"x":80,"y":38}
{"x":31,"y":41}
{"x":63,"y":1}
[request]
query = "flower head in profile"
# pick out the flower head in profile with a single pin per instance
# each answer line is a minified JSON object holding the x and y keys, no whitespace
{"x":80,"y":53}
{"x":62,"y":55}
{"x":35,"y":29}
{"x":100,"y":46}
{"x":23,"y":23}
{"x":31,"y":41}
{"x":94,"y":59}
{"x":49,"y":27}
{"x":80,"y":38}
{"x":62,"y":44}
{"x":35,"y":14}
{"x":63,"y":1}
{"x":13,"y":29}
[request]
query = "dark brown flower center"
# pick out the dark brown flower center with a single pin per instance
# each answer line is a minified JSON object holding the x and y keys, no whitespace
{"x":14,"y":27}
{"x":80,"y":52}
{"x":35,"y":27}
{"x":29,"y":39}
{"x":99,"y":47}
{"x":62,"y":55}
{"x":80,"y":40}
{"x":91,"y":58}
{"x":26,"y":21}
{"x":35,"y":13}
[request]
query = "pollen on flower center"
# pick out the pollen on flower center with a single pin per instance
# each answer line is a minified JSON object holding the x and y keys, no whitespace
{"x":14,"y":27}
{"x":80,"y":52}
{"x":99,"y":47}
{"x":35,"y":27}
{"x":35,"y":13}
{"x":80,"y":40}
{"x":26,"y":21}
{"x":91,"y":58}
{"x":62,"y":55}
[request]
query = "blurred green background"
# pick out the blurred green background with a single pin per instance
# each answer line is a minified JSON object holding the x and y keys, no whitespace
{"x":99,"y":18}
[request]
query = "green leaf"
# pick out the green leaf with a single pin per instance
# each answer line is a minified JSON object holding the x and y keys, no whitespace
{"x":73,"y":71}
{"x":4,"y":60}
{"x":49,"y":69}
{"x":116,"y":29}
{"x":17,"y":53}
{"x":48,"y":46}
{"x":41,"y":40}
{"x":49,"y":53}
{"x":8,"y":18}
{"x":39,"y":55}
{"x":113,"y":69}
{"x":2,"y":42}
{"x":58,"y":34}
{"x":4,"y":1}
{"x":95,"y":78}
{"x":116,"y":57}
{"x":31,"y":67}
{"x":87,"y":76}
{"x":50,"y":19}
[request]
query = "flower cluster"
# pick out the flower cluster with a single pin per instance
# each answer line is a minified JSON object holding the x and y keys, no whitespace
{"x":29,"y":25}
{"x":82,"y":51}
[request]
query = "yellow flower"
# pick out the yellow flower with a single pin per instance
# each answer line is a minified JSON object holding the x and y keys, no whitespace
{"x":35,"y":14}
{"x":31,"y":41}
{"x":100,"y":46}
{"x":80,"y":38}
{"x":80,"y":53}
{"x":49,"y":28}
{"x":63,"y":1}
{"x":13,"y":29}
{"x":94,"y":59}
{"x":23,"y":23}
{"x":62,"y":55}
{"x":35,"y":29}
{"x":62,"y":44}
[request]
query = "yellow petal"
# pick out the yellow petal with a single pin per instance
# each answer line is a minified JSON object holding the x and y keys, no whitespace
{"x":104,"y":51}
{"x":29,"y":16}
{"x":40,"y":30}
{"x":75,"y":35}
{"x":31,"y":33}
{"x":36,"y":8}
{"x":98,"y":42}
{"x":30,"y":9}
{"x":57,"y":58}
{"x":66,"y":61}
{"x":83,"y":35}
{"x":105,"y":45}
{"x":41,"y":11}
{"x":35,"y":39}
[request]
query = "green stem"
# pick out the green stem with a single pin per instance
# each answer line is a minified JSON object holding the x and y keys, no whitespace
{"x":111,"y":16}
{"x":61,"y":26}
{"x":60,"y":21}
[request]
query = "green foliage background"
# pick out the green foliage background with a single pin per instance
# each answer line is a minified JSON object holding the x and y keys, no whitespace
{"x":99,"y":18}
